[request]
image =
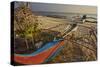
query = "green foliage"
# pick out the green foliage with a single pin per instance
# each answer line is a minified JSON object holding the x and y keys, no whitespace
{"x":26,"y":23}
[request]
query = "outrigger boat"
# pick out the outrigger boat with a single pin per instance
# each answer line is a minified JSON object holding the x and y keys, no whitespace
{"x":46,"y":53}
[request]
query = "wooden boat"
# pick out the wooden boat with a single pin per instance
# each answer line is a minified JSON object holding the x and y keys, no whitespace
{"x":44,"y":54}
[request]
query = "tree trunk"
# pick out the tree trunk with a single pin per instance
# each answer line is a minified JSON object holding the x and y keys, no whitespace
{"x":33,"y":41}
{"x":27,"y":46}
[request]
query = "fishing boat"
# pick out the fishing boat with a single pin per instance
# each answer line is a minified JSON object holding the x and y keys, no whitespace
{"x":47,"y":52}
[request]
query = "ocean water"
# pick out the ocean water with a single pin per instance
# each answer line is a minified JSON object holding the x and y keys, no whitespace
{"x":66,"y":15}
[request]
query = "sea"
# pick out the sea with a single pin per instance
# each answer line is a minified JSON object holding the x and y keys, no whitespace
{"x":66,"y":15}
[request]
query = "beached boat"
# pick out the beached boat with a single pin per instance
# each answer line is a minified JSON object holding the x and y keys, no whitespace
{"x":44,"y":54}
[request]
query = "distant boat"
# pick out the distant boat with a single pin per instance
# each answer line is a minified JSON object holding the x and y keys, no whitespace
{"x":91,"y":19}
{"x":78,"y":19}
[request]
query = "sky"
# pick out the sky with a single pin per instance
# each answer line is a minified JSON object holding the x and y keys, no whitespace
{"x":49,"y":7}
